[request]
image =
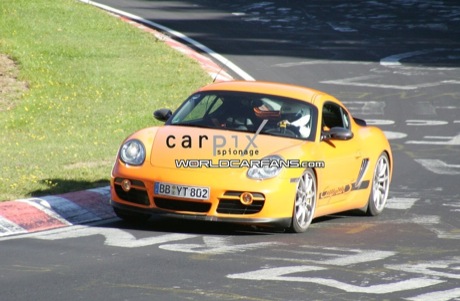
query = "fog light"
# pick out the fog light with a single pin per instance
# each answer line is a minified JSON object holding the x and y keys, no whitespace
{"x":126,"y":185}
{"x":246,"y":198}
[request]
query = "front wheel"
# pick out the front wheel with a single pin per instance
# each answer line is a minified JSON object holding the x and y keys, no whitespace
{"x":305,"y":202}
{"x":380,"y":186}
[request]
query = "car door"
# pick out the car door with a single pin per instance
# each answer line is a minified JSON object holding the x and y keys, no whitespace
{"x":342,"y":157}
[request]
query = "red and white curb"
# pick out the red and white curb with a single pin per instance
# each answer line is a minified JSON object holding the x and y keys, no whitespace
{"x":50,"y":212}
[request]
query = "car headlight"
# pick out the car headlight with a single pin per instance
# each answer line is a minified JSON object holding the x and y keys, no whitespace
{"x":132,"y":152}
{"x":269,"y":167}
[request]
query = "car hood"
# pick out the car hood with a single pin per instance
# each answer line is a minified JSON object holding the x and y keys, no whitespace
{"x":173,"y":143}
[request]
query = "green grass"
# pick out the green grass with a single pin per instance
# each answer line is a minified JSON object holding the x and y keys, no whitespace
{"x":93,"y":79}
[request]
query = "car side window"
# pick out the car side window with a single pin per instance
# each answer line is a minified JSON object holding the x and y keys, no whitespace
{"x":335,"y":116}
{"x":206,"y":105}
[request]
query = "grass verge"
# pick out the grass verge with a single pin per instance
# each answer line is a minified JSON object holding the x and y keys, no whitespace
{"x":92,"y":79}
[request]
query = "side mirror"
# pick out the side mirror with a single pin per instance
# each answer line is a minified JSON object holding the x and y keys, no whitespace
{"x":337,"y":133}
{"x":162,"y":114}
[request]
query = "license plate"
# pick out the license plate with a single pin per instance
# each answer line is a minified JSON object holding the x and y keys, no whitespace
{"x":181,"y":191}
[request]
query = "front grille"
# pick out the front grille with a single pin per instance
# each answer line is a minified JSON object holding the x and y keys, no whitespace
{"x":177,"y":205}
{"x":235,"y":207}
{"x":134,"y":195}
{"x":230,"y":203}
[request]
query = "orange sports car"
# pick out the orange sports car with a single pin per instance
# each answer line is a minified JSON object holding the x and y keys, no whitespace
{"x":257,"y":153}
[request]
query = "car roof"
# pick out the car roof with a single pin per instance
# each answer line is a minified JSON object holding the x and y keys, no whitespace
{"x":272,"y":88}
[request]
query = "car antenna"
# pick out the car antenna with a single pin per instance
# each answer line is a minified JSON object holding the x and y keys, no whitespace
{"x":217,"y":74}
{"x":220,"y":70}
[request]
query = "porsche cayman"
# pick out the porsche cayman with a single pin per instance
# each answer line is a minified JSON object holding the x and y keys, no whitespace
{"x":256,"y":153}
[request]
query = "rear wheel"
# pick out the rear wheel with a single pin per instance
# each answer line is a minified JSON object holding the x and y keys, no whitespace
{"x":305,"y":202}
{"x":131,"y":217}
{"x":380,"y":186}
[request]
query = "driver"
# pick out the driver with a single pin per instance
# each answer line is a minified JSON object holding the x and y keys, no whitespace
{"x":301,"y":119}
{"x":302,"y":124}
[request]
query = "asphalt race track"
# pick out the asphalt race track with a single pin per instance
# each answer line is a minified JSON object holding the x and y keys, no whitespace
{"x":395,"y":63}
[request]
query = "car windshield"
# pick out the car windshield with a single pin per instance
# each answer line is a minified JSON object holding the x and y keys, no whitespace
{"x":248,"y":112}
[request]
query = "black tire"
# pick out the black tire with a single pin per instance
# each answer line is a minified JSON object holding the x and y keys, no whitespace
{"x":380,"y":186}
{"x":305,"y":202}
